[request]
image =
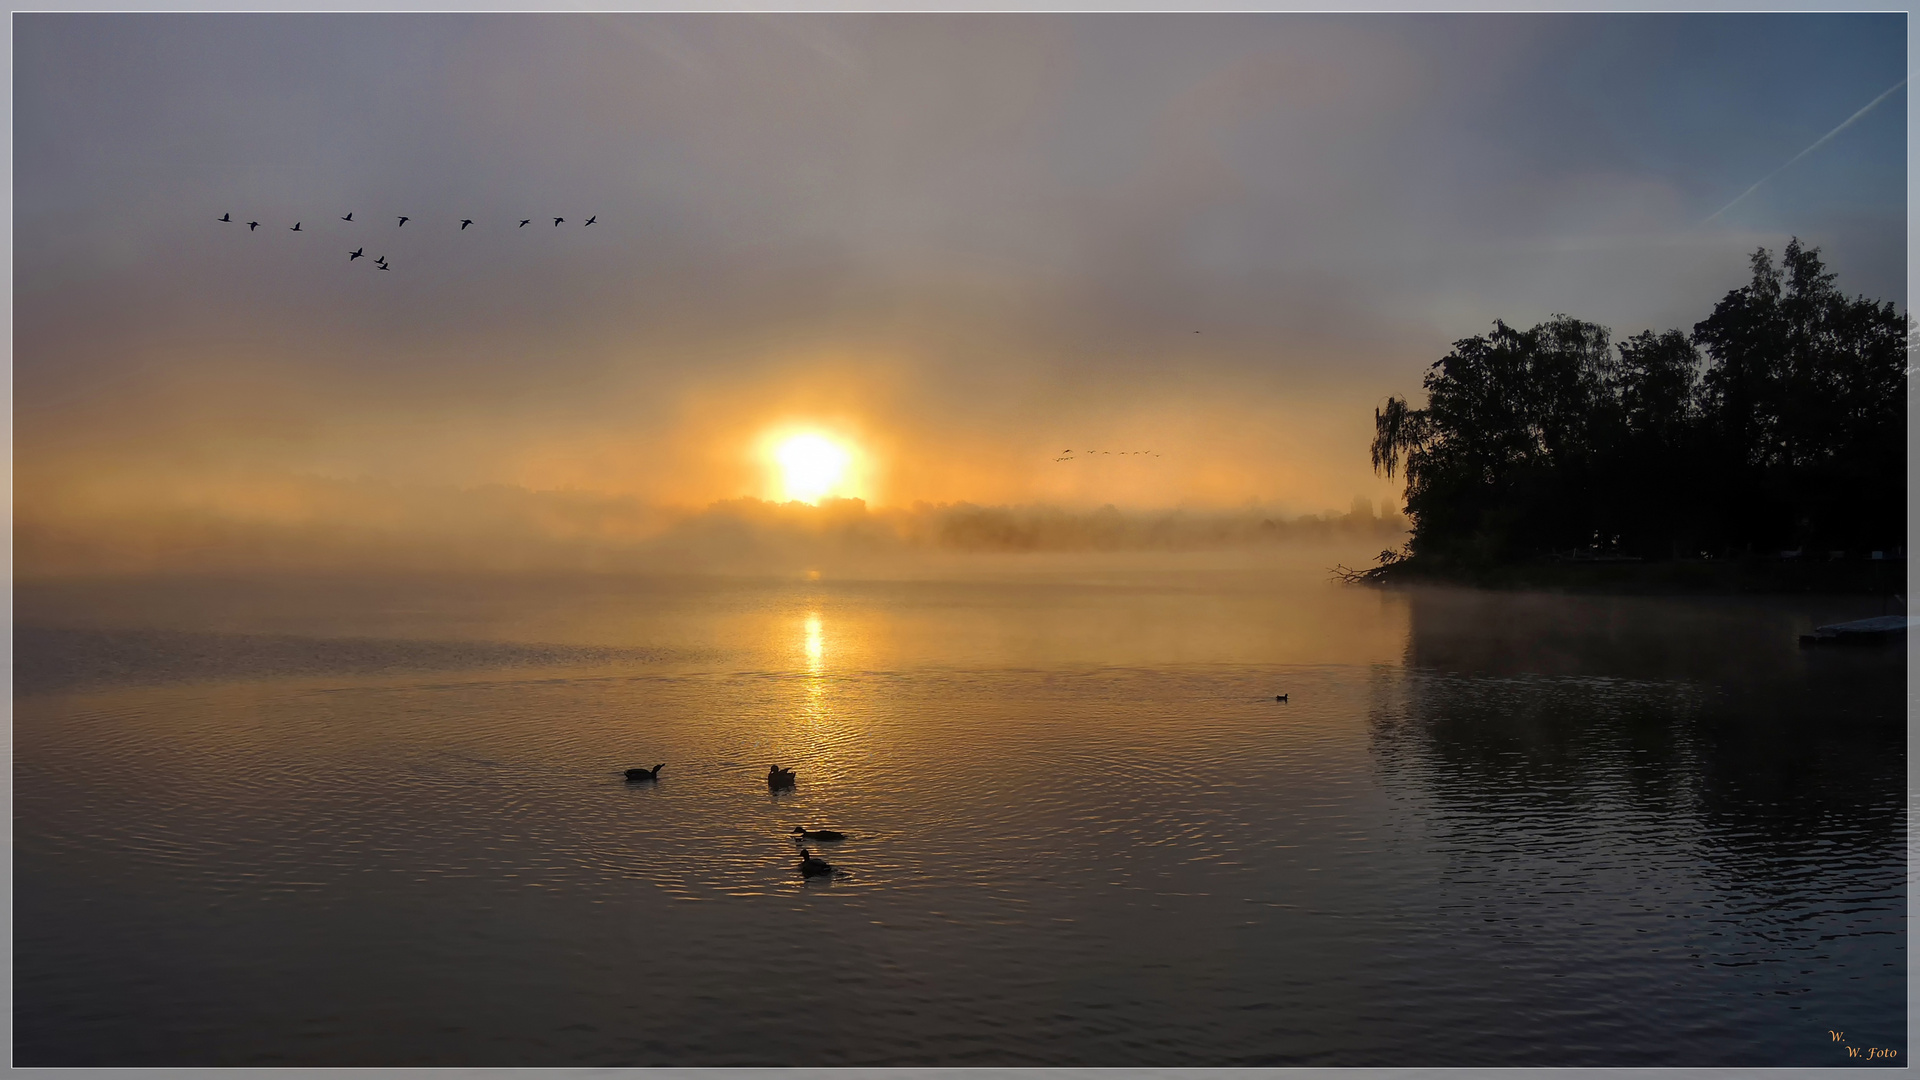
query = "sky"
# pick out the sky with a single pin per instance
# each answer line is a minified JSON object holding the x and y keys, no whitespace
{"x":952,"y":246}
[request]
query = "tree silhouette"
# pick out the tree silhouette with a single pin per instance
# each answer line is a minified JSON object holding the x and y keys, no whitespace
{"x":1552,"y":439}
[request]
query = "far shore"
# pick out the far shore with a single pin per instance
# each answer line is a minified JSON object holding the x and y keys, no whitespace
{"x":1707,"y":577}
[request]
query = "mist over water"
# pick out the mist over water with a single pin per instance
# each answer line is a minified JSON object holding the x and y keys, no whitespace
{"x":381,"y":820}
{"x":378,"y":529}
{"x":421,"y":419}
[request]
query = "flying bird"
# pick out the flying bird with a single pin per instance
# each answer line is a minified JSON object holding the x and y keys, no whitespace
{"x":349,"y":216}
{"x":355,"y":253}
{"x":384,"y":266}
{"x":464,"y":222}
{"x":591,"y":220}
{"x":403,"y":222}
{"x":524,"y":222}
{"x":295,"y":228}
{"x":226,"y":217}
{"x":558,"y":220}
{"x":252,"y":225}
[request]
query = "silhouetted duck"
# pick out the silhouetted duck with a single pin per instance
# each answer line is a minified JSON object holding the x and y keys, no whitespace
{"x":226,"y":217}
{"x":464,"y":222}
{"x":635,"y":776}
{"x":349,"y":217}
{"x":812,"y":867}
{"x":295,"y":227}
{"x":403,"y":223}
{"x":779,"y":778}
{"x":524,"y":221}
{"x":252,"y":225}
{"x":593,"y":219}
{"x":1279,"y":697}
{"x":356,"y":253}
{"x":819,"y":834}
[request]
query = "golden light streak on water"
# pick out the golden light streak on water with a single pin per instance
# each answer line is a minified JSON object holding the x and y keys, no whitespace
{"x":816,"y":646}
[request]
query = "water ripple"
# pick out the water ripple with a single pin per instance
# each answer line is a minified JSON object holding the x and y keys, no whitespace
{"x":1099,"y":865}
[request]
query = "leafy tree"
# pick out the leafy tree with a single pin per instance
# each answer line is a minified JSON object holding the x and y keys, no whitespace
{"x":1805,"y":405}
{"x":1659,"y":379}
{"x":1540,"y":440}
{"x":1502,"y":457}
{"x":1655,"y":476}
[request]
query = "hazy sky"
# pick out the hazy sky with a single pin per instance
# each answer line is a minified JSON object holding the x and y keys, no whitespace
{"x":961,"y":243}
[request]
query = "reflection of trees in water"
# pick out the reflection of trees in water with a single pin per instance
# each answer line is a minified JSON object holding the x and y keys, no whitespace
{"x":1711,"y":697}
{"x":1478,"y":743}
{"x":1788,"y":769}
{"x":1732,"y":639}
{"x":1808,"y":776}
{"x":1671,"y":741}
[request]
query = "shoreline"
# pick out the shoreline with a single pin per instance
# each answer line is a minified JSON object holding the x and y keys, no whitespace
{"x":1681,"y":577}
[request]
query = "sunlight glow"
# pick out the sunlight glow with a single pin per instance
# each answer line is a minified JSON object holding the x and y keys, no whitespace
{"x":816,"y":648}
{"x":812,"y":466}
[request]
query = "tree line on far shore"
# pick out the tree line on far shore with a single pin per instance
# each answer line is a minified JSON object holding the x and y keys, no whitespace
{"x":1777,"y":425}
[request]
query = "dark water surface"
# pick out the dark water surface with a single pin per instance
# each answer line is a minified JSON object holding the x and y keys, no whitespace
{"x":379,"y":822}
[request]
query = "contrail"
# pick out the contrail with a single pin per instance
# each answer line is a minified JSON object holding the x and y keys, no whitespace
{"x":1818,"y":143}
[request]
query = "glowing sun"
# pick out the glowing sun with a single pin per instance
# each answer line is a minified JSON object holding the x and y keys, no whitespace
{"x":812,"y":466}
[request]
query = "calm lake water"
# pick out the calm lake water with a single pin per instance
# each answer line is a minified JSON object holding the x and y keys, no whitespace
{"x":383,"y":822}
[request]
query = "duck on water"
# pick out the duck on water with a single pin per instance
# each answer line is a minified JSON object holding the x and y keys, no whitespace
{"x":818,"y":834}
{"x":812,"y":867}
{"x":640,"y":776}
{"x":779,"y":779}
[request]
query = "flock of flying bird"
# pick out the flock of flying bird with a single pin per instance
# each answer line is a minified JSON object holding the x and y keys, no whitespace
{"x":1067,"y":455}
{"x":381,"y":262}
{"x":778,"y":779}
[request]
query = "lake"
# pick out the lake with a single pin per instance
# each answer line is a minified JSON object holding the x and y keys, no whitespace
{"x":382,"y":821}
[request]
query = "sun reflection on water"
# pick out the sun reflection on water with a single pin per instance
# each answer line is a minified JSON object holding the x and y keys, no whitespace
{"x":814,"y":707}
{"x":816,"y":647}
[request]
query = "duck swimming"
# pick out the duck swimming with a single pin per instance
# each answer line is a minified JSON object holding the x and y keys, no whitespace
{"x":779,"y":778}
{"x":635,"y":776}
{"x":812,"y":867}
{"x":818,"y":834}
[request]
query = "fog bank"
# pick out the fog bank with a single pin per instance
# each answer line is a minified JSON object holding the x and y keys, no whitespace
{"x":325,"y":525}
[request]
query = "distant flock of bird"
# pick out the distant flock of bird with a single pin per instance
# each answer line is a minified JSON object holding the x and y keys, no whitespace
{"x":381,"y":261}
{"x":778,"y":779}
{"x":1067,"y":455}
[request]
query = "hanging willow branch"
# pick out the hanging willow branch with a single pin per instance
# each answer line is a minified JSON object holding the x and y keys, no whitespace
{"x":1397,"y":430}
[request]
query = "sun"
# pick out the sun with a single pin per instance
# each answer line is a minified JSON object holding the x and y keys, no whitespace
{"x":812,"y":466}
